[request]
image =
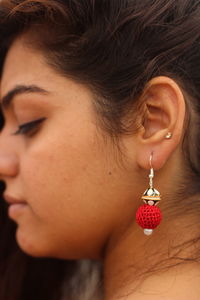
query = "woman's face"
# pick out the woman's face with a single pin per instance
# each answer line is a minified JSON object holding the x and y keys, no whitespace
{"x":61,"y":166}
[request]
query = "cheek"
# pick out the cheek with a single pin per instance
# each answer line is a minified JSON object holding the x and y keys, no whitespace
{"x":54,"y":176}
{"x":67,"y":184}
{"x":64,"y":181}
{"x":67,"y":209}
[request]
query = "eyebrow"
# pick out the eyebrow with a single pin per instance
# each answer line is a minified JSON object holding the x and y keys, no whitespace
{"x":19,"y":90}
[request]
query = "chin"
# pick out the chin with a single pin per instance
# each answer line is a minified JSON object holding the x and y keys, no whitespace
{"x":30,"y":247}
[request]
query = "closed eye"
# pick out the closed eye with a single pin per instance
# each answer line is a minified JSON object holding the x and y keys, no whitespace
{"x":29,"y":127}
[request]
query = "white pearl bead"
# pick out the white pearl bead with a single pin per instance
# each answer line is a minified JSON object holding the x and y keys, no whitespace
{"x":148,"y":231}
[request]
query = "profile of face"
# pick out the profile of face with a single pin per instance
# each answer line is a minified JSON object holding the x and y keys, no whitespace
{"x":54,"y":157}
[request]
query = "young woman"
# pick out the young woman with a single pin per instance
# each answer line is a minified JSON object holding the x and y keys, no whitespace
{"x":101,"y":105}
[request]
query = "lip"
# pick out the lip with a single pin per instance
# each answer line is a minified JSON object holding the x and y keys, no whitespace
{"x":13,"y":200}
{"x":17,"y":209}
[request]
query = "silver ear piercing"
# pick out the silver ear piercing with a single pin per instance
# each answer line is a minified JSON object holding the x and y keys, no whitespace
{"x":168,"y":135}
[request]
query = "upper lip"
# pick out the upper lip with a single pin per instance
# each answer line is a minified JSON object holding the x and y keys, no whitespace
{"x":12,"y":200}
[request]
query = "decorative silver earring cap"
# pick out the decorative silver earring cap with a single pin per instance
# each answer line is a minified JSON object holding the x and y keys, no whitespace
{"x":169,"y":135}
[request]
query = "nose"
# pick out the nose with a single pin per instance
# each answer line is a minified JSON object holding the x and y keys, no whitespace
{"x":8,"y":158}
{"x":8,"y":165}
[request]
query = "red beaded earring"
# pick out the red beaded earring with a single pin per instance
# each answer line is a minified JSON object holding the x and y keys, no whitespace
{"x":149,"y":216}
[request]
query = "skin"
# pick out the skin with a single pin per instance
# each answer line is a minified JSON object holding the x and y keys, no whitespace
{"x":81,"y":195}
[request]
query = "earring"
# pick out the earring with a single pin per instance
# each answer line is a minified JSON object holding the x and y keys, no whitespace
{"x":149,"y":216}
{"x":168,"y":135}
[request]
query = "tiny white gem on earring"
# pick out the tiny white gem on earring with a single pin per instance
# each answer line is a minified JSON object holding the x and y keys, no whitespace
{"x":151,"y":203}
{"x":169,"y":135}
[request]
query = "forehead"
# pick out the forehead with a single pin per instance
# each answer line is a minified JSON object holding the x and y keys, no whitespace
{"x":26,"y":66}
{"x":21,"y":65}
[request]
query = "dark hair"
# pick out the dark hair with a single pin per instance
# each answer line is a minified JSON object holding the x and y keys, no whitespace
{"x":115,"y":47}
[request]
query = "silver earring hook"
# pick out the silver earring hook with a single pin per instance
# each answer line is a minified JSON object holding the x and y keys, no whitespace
{"x":150,"y":160}
{"x":151,"y":175}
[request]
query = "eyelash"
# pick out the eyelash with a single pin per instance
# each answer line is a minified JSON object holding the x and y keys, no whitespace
{"x":28,"y":127}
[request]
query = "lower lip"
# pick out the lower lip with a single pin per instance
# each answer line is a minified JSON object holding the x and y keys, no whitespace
{"x":16,"y":208}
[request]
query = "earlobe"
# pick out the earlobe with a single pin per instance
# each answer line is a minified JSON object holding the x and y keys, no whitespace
{"x":163,"y":124}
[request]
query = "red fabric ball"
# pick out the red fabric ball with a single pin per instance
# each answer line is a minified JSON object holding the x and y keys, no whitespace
{"x":148,"y":217}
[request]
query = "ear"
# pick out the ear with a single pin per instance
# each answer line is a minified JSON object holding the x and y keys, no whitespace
{"x":164,"y":106}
